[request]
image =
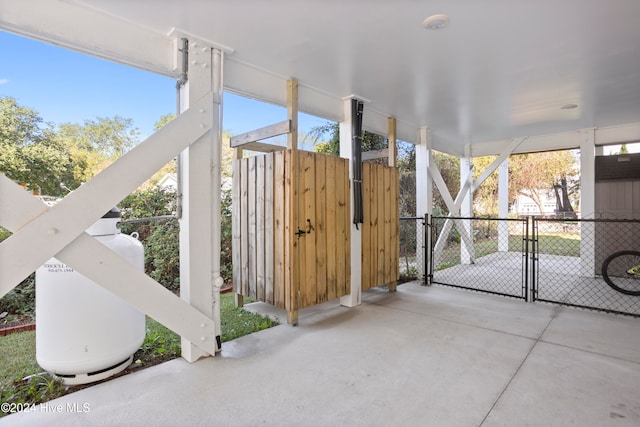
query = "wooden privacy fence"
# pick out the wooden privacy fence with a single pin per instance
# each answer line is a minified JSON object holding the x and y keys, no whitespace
{"x":291,"y":228}
{"x":380,"y":236}
{"x":292,"y":225}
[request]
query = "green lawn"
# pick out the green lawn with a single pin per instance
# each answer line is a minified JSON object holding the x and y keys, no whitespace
{"x":18,"y":354}
{"x":565,"y":244}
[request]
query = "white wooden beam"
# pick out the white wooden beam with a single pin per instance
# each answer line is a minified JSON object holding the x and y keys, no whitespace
{"x":45,"y":235}
{"x":587,"y":202}
{"x":57,"y":22}
{"x":503,"y":206}
{"x":424,"y":191}
{"x":465,"y":227}
{"x":103,"y":266}
{"x":467,"y":184}
{"x":354,"y":298}
{"x":201,"y":182}
{"x":504,"y":155}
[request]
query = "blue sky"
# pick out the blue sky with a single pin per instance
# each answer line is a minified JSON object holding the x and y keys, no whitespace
{"x":69,"y":87}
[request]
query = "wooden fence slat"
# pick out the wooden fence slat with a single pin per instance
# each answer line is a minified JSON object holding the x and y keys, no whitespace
{"x":252,"y":228}
{"x":269,"y":259}
{"x":366,"y":226}
{"x":310,"y":282}
{"x":374,"y":227}
{"x":348,"y":221}
{"x":293,"y":255}
{"x":244,"y":225}
{"x":380,"y":246}
{"x":342,"y":224}
{"x":320,"y":228}
{"x":280,"y":207}
{"x":387,"y":225}
{"x":260,"y":227}
{"x":236,"y":258}
{"x":331,"y":230}
{"x":395,"y":225}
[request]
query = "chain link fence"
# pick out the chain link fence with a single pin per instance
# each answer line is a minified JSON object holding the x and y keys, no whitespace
{"x":483,"y":254}
{"x":568,"y":256}
{"x":412,"y":248}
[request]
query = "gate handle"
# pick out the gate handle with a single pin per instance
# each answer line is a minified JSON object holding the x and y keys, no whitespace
{"x":303,"y":232}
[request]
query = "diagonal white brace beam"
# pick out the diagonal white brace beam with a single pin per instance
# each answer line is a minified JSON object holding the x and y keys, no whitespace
{"x":434,"y":171}
{"x":101,"y":265}
{"x":49,"y":232}
{"x":454,"y":206}
{"x":513,"y":145}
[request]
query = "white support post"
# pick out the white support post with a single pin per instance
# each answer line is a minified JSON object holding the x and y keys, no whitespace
{"x":503,"y":206}
{"x":41,"y":232}
{"x":424,"y":192}
{"x":587,"y":202}
{"x":467,"y":186}
{"x":465,"y":227}
{"x":200,"y":280}
{"x":346,"y":135}
{"x":392,"y":161}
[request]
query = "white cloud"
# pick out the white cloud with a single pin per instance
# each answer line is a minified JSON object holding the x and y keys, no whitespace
{"x":4,"y":81}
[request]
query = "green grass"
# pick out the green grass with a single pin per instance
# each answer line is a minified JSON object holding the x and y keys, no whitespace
{"x":18,"y":354}
{"x":564,"y":244}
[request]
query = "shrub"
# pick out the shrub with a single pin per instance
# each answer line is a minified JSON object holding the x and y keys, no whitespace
{"x":162,"y":253}
{"x":161,"y":238}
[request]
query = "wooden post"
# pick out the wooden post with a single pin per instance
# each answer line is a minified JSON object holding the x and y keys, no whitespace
{"x":294,"y":247}
{"x":237,"y":268}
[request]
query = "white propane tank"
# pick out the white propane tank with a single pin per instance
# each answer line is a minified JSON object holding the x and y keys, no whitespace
{"x":84,"y":333}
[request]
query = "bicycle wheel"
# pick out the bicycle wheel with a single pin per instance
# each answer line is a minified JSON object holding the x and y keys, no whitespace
{"x":621,"y":271}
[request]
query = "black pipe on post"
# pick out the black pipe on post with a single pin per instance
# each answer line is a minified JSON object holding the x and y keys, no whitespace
{"x":357,"y":108}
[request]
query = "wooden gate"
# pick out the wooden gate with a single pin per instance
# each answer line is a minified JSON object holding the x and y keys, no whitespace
{"x":380,"y":237}
{"x":291,"y":228}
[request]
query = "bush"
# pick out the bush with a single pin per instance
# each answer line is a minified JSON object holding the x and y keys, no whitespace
{"x":161,"y":237}
{"x":162,"y":253}
{"x":21,"y":300}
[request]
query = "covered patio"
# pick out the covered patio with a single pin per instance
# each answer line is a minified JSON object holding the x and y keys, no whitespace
{"x":425,"y":356}
{"x":465,"y":78}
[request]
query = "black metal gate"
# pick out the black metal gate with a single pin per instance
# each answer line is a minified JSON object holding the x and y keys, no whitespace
{"x":483,"y":254}
{"x":567,"y":256}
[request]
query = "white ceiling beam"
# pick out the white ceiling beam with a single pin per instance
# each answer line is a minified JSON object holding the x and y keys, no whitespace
{"x":67,"y":24}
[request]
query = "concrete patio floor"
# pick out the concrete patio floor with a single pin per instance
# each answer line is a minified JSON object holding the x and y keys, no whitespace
{"x":424,"y":356}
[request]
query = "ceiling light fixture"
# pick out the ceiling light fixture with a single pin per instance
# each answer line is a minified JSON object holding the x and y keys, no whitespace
{"x":569,"y":106}
{"x":436,"y":22}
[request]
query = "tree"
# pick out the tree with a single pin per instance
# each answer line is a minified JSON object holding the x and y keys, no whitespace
{"x":370,"y":141}
{"x":29,"y":150}
{"x":530,"y":174}
{"x":449,"y":167}
{"x":485,"y":198}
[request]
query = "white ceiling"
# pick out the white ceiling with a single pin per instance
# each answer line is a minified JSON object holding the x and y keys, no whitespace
{"x":501,"y":69}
